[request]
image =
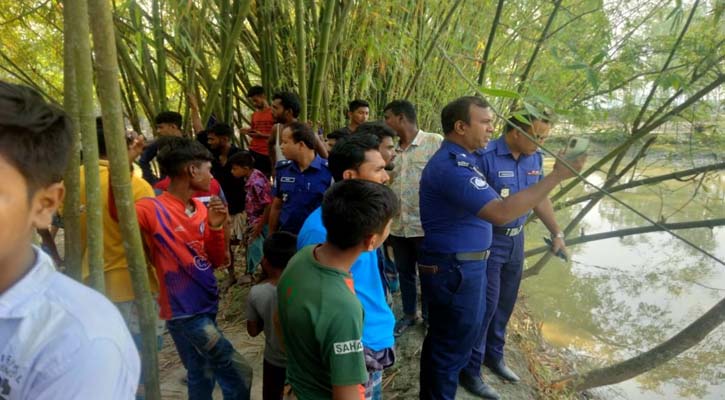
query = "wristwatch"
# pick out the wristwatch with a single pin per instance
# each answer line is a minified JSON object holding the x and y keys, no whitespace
{"x":558,"y":235}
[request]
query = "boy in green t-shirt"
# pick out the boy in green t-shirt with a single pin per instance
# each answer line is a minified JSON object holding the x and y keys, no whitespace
{"x":321,"y":318}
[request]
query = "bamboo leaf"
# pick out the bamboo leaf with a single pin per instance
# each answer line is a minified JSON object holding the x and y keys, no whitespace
{"x":499,"y":93}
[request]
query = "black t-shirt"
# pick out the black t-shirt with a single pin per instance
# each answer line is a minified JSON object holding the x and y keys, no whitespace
{"x":233,"y":187}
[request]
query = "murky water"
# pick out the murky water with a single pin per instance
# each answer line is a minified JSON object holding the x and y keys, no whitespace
{"x":621,"y":296}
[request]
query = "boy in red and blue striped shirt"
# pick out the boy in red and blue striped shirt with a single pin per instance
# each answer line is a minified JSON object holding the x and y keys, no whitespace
{"x":185,"y":242}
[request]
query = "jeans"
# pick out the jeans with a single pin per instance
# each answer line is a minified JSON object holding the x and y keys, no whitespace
{"x":505,"y":268}
{"x":208,"y":356}
{"x":456,"y":306}
{"x":406,"y":252}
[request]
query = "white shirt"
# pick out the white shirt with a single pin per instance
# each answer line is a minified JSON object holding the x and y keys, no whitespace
{"x":62,"y":340}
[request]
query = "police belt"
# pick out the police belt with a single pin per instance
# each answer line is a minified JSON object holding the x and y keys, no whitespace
{"x":508,"y":231}
{"x":468,"y":256}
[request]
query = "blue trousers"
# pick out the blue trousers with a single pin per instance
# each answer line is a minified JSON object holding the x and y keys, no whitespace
{"x":456,"y":307}
{"x":208,"y":356}
{"x":504,"y":277}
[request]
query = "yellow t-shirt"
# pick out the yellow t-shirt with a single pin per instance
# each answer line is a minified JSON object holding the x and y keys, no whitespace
{"x":118,"y":278}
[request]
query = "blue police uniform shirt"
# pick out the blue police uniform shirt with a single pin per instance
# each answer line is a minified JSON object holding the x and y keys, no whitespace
{"x":452,"y":191}
{"x":301,"y":191}
{"x":507,"y":175}
{"x":379,"y":320}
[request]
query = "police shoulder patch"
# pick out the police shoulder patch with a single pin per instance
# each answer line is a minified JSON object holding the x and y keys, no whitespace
{"x":283,"y":163}
{"x":478,"y":183}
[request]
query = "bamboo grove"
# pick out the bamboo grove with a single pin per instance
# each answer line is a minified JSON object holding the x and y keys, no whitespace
{"x":638,"y":65}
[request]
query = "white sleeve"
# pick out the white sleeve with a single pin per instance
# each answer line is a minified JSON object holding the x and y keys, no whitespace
{"x":97,"y":371}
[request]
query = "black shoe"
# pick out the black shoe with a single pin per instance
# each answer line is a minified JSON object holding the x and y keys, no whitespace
{"x":499,"y":368}
{"x":478,"y":387}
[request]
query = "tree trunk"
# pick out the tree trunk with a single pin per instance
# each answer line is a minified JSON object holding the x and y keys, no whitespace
{"x":109,"y":95}
{"x":72,"y":206}
{"x":84,"y":88}
{"x":662,"y":353}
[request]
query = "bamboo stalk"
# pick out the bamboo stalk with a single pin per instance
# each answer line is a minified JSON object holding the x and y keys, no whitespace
{"x":72,"y":202}
{"x":109,"y":96}
{"x":160,"y":54}
{"x":489,"y":42}
{"x":227,"y":59}
{"x":322,"y":56}
{"x":301,"y":47}
{"x":84,"y":87}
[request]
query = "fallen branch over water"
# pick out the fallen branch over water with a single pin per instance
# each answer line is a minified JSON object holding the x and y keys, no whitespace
{"x":708,"y":223}
{"x":662,"y":353}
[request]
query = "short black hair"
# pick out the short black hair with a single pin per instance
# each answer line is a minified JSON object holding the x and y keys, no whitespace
{"x":302,"y":133}
{"x":36,"y":137}
{"x":377,"y":128}
{"x":102,"y":152}
{"x":175,"y":153}
{"x":460,"y":110}
{"x":278,"y":248}
{"x":524,"y":119}
{"x":242,"y":159}
{"x":289,"y":101}
{"x":354,"y":209}
{"x":169,"y":117}
{"x":357,"y":103}
{"x":404,"y":107}
{"x":349,"y":153}
{"x":255,"y":91}
{"x":221,"y":129}
{"x":338,"y":133}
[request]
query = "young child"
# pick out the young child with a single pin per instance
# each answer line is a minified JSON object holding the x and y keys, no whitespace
{"x":185,"y":241}
{"x":321,"y":318}
{"x":261,"y":307}
{"x":58,"y":338}
{"x":258,"y":197}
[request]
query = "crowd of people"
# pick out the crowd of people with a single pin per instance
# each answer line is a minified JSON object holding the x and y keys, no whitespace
{"x":334,"y":228}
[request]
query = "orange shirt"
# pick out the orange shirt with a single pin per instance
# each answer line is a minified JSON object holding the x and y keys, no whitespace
{"x":262,"y":122}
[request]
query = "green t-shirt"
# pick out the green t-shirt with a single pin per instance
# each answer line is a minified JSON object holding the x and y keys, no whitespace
{"x":322,"y":322}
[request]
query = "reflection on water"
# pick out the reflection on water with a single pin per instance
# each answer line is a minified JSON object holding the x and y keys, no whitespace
{"x":619,"y":297}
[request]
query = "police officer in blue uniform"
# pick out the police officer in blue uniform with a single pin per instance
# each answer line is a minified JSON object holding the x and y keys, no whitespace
{"x":300,"y":181}
{"x":510,"y":164}
{"x":457,"y":208}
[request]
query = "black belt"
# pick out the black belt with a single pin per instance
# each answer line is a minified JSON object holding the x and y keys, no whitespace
{"x":508,"y":231}
{"x":467,"y":256}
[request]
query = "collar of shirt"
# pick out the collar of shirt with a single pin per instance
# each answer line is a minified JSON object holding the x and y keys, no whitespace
{"x":18,"y":301}
{"x":316,"y":164}
{"x":502,"y":148}
{"x":457,"y":150}
{"x":415,"y":143}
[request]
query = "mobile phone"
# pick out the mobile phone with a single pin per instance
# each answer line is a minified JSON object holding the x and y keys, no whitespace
{"x":576,"y":147}
{"x":559,"y":253}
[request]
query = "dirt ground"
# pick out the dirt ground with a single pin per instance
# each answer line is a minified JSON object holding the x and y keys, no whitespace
{"x":526,"y":355}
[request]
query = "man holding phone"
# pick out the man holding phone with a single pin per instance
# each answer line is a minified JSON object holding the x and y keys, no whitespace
{"x":511,"y":163}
